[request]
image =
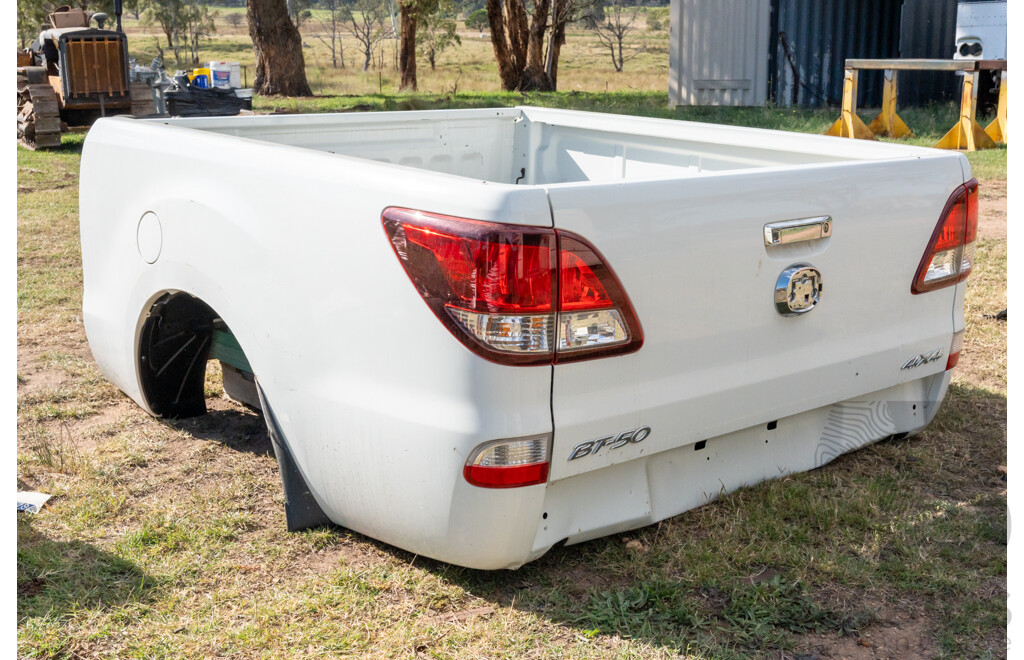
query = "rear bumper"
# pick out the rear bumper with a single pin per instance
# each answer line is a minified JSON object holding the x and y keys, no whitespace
{"x":652,"y":488}
{"x":491,"y":529}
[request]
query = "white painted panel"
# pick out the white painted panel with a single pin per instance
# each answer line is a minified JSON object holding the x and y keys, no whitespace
{"x":719,"y":52}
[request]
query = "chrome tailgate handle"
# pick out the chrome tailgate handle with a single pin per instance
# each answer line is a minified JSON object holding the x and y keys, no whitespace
{"x":796,"y":231}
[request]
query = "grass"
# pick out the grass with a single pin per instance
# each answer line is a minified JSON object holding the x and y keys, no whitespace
{"x":166,"y":539}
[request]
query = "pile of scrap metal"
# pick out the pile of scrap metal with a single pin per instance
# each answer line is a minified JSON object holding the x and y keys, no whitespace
{"x":73,"y":74}
{"x":185,"y":99}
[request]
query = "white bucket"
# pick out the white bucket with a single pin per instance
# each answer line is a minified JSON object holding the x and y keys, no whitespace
{"x":234,"y":74}
{"x":220,"y":75}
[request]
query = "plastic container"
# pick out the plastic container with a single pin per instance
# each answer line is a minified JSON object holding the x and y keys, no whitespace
{"x":220,"y":75}
{"x":201,"y":78}
{"x":235,"y":75}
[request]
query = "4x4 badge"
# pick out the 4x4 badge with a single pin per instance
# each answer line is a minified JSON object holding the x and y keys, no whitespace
{"x":924,"y":358}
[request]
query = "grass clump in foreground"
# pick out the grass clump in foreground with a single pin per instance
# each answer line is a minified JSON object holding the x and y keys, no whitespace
{"x":165,"y":539}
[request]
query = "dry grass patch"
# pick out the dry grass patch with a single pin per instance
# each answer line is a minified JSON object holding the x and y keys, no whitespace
{"x":167,"y":539}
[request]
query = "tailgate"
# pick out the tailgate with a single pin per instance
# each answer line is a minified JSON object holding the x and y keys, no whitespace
{"x":717,"y":356}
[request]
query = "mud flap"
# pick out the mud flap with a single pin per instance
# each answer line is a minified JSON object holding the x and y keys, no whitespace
{"x":301,"y":509}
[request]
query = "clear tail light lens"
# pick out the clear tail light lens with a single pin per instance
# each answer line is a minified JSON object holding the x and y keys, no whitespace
{"x":514,"y":294}
{"x":510,"y":463}
{"x":949,"y":257}
{"x":954,"y":350}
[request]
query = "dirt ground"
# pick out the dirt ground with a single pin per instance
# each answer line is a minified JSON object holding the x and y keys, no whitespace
{"x":992,"y":209}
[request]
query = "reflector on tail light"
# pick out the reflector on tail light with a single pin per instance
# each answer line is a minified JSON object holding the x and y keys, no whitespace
{"x":954,"y":350}
{"x":514,"y":294}
{"x":510,"y":463}
{"x":950,"y":253}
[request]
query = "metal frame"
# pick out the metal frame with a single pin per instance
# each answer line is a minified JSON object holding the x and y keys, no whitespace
{"x":96,"y":99}
{"x":966,"y":135}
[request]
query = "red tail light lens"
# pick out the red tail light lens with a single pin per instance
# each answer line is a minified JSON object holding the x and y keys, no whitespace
{"x":954,"y":350}
{"x":488,"y":270}
{"x":495,"y":287}
{"x":950,"y":254}
{"x":510,"y":463}
{"x":595,"y":317}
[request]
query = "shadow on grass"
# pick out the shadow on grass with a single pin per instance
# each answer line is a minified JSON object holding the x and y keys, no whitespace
{"x":753,"y":571}
{"x":59,"y":577}
{"x":915,"y":525}
{"x":240,"y":430}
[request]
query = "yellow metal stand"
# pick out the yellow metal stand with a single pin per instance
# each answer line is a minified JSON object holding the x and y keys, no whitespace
{"x":997,"y":129}
{"x":849,"y":124}
{"x":967,"y":135}
{"x":888,"y":122}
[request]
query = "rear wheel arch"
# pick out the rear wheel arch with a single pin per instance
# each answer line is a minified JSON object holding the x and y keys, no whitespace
{"x":173,"y":342}
{"x":176,"y":332}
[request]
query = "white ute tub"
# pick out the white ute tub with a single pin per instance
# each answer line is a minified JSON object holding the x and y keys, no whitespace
{"x":475,"y":334}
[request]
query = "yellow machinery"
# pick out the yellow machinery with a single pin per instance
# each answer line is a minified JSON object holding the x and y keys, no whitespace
{"x":73,"y":74}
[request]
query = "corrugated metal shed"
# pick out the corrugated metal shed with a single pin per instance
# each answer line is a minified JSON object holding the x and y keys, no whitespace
{"x":719,"y":52}
{"x":812,"y":39}
{"x":792,"y":52}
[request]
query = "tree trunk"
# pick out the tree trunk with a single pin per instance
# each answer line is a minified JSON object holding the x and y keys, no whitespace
{"x":561,"y":17}
{"x":366,"y":62}
{"x":280,"y":67}
{"x":538,"y":28}
{"x":519,"y":43}
{"x":508,"y":70}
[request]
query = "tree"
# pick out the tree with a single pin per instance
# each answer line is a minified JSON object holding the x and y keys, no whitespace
{"x":413,"y":13}
{"x":519,"y":37}
{"x":658,"y":18}
{"x":183,"y":23}
{"x":364,"y":20}
{"x":31,"y":18}
{"x":133,"y":7}
{"x":618,"y":22}
{"x":300,"y":11}
{"x":437,"y":32}
{"x":166,"y":14}
{"x":234,"y":20}
{"x":332,"y":23}
{"x":280,"y":67}
{"x":199,"y":22}
{"x":409,"y":11}
{"x":477,"y":20}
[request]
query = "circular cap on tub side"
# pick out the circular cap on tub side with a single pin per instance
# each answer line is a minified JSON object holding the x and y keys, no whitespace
{"x":149,"y":237}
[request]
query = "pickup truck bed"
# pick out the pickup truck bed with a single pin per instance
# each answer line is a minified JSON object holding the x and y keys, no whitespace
{"x":579,"y":308}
